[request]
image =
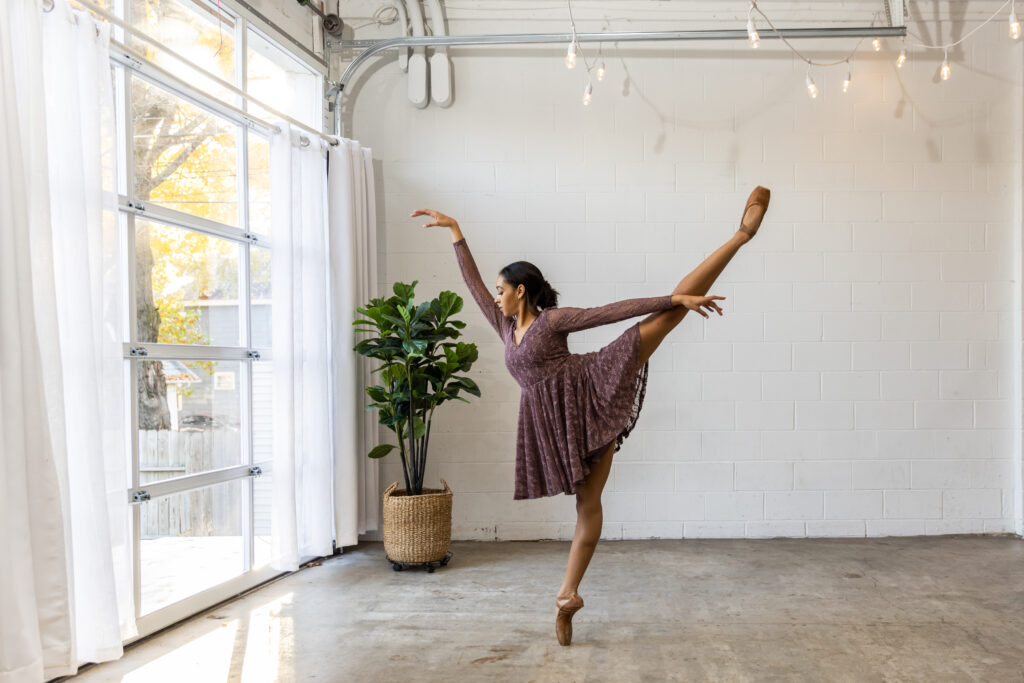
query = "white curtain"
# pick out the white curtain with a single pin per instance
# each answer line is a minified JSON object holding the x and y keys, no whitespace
{"x":353,"y":252}
{"x":301,"y":523}
{"x":65,"y":572}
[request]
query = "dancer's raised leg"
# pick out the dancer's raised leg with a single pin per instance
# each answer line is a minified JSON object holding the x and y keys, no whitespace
{"x":655,"y":327}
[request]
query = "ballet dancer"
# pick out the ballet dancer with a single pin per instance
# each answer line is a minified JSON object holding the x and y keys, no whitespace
{"x":575,"y":410}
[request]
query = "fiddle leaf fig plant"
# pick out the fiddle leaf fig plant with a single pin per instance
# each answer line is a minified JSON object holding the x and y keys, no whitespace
{"x":420,"y":369}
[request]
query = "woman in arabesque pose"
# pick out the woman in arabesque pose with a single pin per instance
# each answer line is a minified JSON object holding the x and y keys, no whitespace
{"x":575,"y":410}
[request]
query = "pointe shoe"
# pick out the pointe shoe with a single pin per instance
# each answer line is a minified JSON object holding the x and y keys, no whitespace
{"x":753,"y":212}
{"x":563,"y":619}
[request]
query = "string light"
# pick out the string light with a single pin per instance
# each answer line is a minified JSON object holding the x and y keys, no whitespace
{"x":812,"y":89}
{"x":945,"y":71}
{"x":570,"y":59}
{"x":752,"y":36}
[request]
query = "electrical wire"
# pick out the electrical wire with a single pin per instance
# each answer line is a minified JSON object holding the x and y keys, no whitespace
{"x":379,"y":19}
{"x":966,"y":35}
{"x":810,"y":62}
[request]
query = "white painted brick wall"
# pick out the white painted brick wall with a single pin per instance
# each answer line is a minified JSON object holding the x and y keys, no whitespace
{"x":862,"y":380}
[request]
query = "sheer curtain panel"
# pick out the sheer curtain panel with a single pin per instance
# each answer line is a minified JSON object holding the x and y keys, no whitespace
{"x":301,"y":522}
{"x":353,"y":238}
{"x":65,"y":572}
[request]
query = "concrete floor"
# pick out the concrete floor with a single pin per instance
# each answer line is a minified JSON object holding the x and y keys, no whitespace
{"x":947,"y":608}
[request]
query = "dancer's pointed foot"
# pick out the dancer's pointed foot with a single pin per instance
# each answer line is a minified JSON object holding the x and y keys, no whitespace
{"x":753,"y":212}
{"x":565,"y":609}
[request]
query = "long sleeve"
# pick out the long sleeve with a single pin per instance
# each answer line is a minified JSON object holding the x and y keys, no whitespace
{"x":477,"y":288}
{"x":573,"y":319}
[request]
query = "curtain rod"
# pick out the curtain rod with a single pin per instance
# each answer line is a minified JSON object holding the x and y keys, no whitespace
{"x":372,"y":47}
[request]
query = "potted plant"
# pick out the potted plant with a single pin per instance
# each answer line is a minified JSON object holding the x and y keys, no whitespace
{"x":420,"y":366}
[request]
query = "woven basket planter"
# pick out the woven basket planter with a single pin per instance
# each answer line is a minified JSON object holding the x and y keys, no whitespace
{"x":417,"y":528}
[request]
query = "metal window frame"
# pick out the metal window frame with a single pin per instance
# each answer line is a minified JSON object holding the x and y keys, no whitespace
{"x":127,"y":66}
{"x":179,"y":219}
{"x":190,"y":482}
{"x":158,"y":76}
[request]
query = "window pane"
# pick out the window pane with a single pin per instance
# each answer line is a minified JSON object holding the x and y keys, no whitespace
{"x":262,"y":411}
{"x":283,"y":82}
{"x":189,"y":541}
{"x":185,"y":158}
{"x":105,"y":4}
{"x":259,"y":185}
{"x":188,"y":417}
{"x":202,"y":33}
{"x":186,"y":286}
{"x":259,"y":273}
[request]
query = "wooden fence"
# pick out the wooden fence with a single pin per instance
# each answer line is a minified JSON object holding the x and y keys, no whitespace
{"x":210,"y":511}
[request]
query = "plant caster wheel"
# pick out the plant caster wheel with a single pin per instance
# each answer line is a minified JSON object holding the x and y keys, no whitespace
{"x":429,"y":566}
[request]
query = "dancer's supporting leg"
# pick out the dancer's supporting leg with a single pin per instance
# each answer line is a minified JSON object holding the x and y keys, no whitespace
{"x":589,"y":514}
{"x":589,"y":519}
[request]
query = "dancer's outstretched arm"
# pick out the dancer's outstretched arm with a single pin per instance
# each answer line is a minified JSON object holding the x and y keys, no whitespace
{"x":573,"y":319}
{"x":470,"y":273}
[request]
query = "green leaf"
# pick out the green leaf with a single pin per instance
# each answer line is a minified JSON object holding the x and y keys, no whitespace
{"x":404,"y":291}
{"x":382,"y":450}
{"x":414,"y":347}
{"x":469,"y":384}
{"x":394,"y":319}
{"x":451,"y":303}
{"x":421,"y":310}
{"x":377,"y":393}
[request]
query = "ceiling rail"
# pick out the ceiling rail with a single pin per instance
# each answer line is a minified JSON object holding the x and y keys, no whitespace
{"x":372,"y":47}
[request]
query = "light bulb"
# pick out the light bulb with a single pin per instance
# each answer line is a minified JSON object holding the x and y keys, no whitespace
{"x":902,"y":59}
{"x":587,"y":94}
{"x":752,"y":36}
{"x":1014,"y":24}
{"x":600,"y":71}
{"x":876,"y":43}
{"x":570,"y":56}
{"x":812,"y":89}
{"x":846,"y":82}
{"x":944,"y":72}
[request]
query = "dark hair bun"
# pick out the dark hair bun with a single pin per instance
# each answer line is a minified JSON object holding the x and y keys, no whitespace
{"x":547,"y":297}
{"x":538,"y":290}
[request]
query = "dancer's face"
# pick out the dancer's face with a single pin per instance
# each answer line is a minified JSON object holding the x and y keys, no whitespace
{"x":510,"y":299}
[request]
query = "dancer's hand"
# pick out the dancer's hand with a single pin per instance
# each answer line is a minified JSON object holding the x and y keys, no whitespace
{"x":698,"y":303}
{"x":439,"y":218}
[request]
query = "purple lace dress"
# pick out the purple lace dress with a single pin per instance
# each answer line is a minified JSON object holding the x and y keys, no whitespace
{"x":573,"y":407}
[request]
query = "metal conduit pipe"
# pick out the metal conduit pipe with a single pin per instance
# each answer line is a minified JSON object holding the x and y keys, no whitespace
{"x":440,"y":65}
{"x":418,"y":81}
{"x":375,"y":46}
{"x":403,"y":19}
